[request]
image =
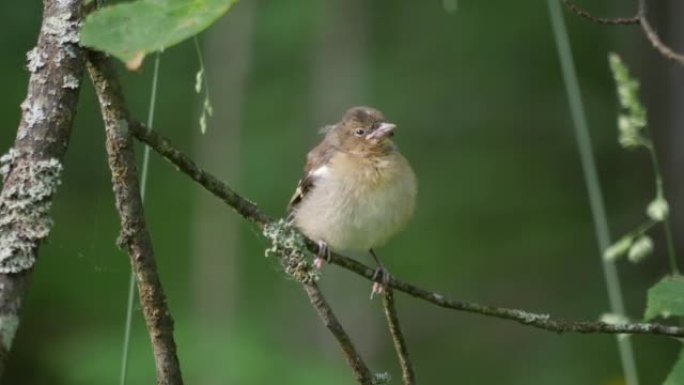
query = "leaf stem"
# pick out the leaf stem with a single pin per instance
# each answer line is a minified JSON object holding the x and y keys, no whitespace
{"x":592,"y":181}
{"x":660,"y":193}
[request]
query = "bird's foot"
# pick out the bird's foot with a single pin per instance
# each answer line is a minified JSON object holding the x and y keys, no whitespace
{"x":322,"y":256}
{"x":381,"y":278}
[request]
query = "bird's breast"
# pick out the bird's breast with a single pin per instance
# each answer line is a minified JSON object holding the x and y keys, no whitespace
{"x":358,"y":203}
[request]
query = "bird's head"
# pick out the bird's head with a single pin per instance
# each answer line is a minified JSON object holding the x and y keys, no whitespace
{"x":364,"y":131}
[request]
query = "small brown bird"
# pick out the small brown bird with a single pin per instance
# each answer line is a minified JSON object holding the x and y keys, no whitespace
{"x":358,"y":190}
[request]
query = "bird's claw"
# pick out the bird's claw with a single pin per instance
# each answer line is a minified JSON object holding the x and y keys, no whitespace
{"x":381,"y":278}
{"x":322,"y":256}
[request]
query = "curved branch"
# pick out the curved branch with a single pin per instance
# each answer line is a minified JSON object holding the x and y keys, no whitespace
{"x":574,"y":8}
{"x":638,"y":19}
{"x":408,"y":374}
{"x":658,"y":44}
{"x":541,"y":321}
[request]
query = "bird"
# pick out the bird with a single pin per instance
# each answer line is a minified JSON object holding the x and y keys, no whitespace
{"x":358,"y":190}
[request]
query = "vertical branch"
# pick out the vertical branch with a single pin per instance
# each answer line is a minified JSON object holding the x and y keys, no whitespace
{"x":31,"y":171}
{"x":134,"y":236}
{"x":407,"y":372}
{"x":361,"y":371}
{"x":130,"y":301}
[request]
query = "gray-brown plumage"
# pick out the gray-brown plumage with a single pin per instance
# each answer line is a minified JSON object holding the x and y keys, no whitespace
{"x":358,"y":190}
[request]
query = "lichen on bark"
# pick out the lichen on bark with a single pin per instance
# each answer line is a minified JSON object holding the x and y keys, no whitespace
{"x":24,"y":209}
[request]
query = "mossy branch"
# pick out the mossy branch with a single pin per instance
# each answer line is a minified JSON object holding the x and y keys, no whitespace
{"x":292,"y":246}
{"x":251,"y":212}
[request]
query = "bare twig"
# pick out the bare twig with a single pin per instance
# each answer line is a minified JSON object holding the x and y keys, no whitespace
{"x":407,"y":373}
{"x":658,"y":44}
{"x":541,"y":321}
{"x":361,"y":372}
{"x":538,"y":320}
{"x":574,"y":8}
{"x":212,"y":184}
{"x":135,"y":238}
{"x":31,"y":171}
{"x":640,"y":19}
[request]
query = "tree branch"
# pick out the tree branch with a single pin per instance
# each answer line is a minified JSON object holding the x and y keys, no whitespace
{"x":242,"y":206}
{"x":31,"y":170}
{"x":640,"y":19}
{"x":134,"y":237}
{"x":408,"y":374}
{"x":541,"y":321}
{"x":658,"y":44}
{"x":574,"y":8}
{"x":361,"y":371}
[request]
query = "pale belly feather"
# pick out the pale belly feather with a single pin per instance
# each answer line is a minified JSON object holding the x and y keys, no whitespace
{"x":359,"y":209}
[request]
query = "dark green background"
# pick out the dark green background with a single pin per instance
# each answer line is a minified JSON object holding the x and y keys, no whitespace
{"x":503,"y":216}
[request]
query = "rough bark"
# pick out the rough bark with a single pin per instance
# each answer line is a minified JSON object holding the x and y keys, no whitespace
{"x":134,"y":237}
{"x":31,"y":170}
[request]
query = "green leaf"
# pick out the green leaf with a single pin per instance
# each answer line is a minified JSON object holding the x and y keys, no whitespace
{"x":132,"y":30}
{"x":676,"y":376}
{"x":666,"y":298}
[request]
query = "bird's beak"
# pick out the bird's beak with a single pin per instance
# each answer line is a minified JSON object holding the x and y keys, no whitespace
{"x":385,"y":130}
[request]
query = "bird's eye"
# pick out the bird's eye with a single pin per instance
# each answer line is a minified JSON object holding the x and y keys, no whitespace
{"x":359,"y":132}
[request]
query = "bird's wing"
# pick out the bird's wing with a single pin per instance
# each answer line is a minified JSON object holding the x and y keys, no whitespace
{"x":316,"y":167}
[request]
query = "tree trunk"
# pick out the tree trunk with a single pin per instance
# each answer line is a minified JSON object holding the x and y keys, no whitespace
{"x":31,"y":171}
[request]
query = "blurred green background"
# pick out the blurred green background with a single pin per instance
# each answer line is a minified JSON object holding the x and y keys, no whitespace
{"x":503,"y":216}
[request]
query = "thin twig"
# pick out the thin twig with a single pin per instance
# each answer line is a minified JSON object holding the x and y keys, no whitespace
{"x":407,"y":372}
{"x":574,"y":8}
{"x":639,"y":19}
{"x":538,"y":320}
{"x":135,"y":238}
{"x":658,"y":44}
{"x":128,"y":322}
{"x":361,"y":371}
{"x":31,"y":171}
{"x":161,"y":145}
{"x":251,"y":212}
